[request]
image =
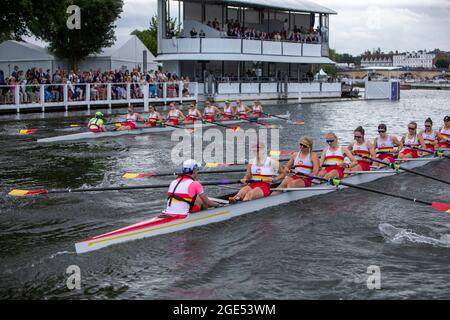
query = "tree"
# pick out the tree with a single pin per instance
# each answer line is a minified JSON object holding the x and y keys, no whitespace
{"x":49,"y":23}
{"x":330,"y":69}
{"x":14,"y":18}
{"x":442,"y":63}
{"x":149,"y":37}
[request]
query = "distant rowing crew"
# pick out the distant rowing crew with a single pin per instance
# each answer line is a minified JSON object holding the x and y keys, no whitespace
{"x":174,"y":117}
{"x":186,"y":194}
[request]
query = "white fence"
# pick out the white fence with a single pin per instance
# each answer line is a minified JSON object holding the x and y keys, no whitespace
{"x":86,"y":94}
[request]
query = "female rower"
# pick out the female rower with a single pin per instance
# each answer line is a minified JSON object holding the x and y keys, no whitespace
{"x":257,"y":110}
{"x":360,"y":149}
{"x":96,"y":124}
{"x":229,"y":112}
{"x":153,"y":117}
{"x":130,"y":121}
{"x":175,"y":116}
{"x":410,"y":141}
{"x":444,"y":134}
{"x":384,"y":145}
{"x":210,"y":112}
{"x":264,"y":168}
{"x":193,"y":113}
{"x":242,"y":110}
{"x":332,"y":159}
{"x":304,"y":161}
{"x":429,"y":136}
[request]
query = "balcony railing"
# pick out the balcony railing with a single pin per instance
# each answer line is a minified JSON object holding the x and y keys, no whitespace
{"x":87,"y":94}
{"x":241,"y":46}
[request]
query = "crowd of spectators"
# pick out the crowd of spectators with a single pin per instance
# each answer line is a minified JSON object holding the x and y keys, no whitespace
{"x":29,"y":85}
{"x":233,"y":29}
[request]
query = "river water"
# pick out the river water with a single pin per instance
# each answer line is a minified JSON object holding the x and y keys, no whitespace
{"x":319,"y":248}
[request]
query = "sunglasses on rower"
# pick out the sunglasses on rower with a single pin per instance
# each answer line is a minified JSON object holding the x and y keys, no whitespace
{"x":304,"y":146}
{"x":330,"y":141}
{"x":357,"y":137}
{"x":411,"y":128}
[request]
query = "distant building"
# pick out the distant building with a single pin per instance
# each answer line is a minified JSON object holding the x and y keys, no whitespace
{"x":127,"y":54}
{"x":419,"y":59}
{"x":345,"y":65}
{"x":376,"y":59}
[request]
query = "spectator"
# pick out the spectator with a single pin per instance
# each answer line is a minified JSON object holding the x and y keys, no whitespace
{"x":202,"y":34}
{"x":193,"y":33}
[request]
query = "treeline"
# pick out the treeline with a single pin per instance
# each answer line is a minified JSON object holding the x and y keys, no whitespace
{"x":49,"y":21}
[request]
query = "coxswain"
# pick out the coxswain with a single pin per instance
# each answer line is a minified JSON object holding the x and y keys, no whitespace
{"x":262,"y":168}
{"x":130,"y":121}
{"x":193,"y":113}
{"x":304,"y":161}
{"x":429,"y":136}
{"x":153,"y":117}
{"x":410,"y":142}
{"x":385,"y":144}
{"x":257,"y":110}
{"x":229,"y":111}
{"x":242,"y":110}
{"x":175,"y":116}
{"x":333,"y":156}
{"x":186,"y":194}
{"x":444,"y":134}
{"x":210,"y":112}
{"x":361,"y":148}
{"x":96,"y":124}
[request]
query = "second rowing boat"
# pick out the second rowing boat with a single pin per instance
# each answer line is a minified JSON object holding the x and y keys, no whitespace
{"x":161,"y":225}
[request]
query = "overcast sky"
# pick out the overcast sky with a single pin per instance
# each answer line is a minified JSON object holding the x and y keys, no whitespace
{"x":402,"y":25}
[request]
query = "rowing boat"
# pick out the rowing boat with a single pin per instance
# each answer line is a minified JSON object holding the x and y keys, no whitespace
{"x":108,"y":134}
{"x":161,"y":225}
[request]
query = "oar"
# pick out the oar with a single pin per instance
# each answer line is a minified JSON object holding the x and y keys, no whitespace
{"x":24,"y":193}
{"x":298,"y":122}
{"x":27,"y":131}
{"x":440,"y":206}
{"x":437,"y":153}
{"x":397,"y":166}
{"x":235,"y":128}
{"x":267,"y":125}
{"x":288,"y":152}
{"x":169,"y":174}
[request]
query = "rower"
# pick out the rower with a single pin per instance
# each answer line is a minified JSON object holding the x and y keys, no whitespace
{"x":153,"y":117}
{"x":410,"y":141}
{"x":229,"y":112}
{"x":210,"y":112}
{"x":96,"y":124}
{"x":130,"y":120}
{"x":304,"y":161}
{"x":186,"y":194}
{"x":193,"y":113}
{"x":360,"y":149}
{"x":257,"y":109}
{"x":384,"y":145}
{"x":444,"y":134}
{"x":332,"y":159}
{"x":242,"y":110}
{"x":174,"y":116}
{"x":429,"y":136}
{"x":261,"y":168}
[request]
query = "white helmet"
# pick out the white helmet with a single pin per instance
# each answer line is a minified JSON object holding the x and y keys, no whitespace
{"x":189,"y":166}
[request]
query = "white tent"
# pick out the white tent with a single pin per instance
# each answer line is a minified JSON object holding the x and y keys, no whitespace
{"x":321,"y":75}
{"x":125,"y":54}
{"x":24,"y":55}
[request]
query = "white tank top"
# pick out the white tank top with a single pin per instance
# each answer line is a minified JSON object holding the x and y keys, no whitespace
{"x":414,"y":141}
{"x":257,"y":108}
{"x":303,"y":165}
{"x":131,"y":118}
{"x":360,"y":151}
{"x":384,"y":146}
{"x":174,"y":114}
{"x":228,"y":111}
{"x":176,"y":206}
{"x":334,"y":157}
{"x":153,"y":116}
{"x":192,"y":112}
{"x":241,"y":109}
{"x":445,"y":133}
{"x":209,"y":111}
{"x":429,"y":138}
{"x":264,"y":171}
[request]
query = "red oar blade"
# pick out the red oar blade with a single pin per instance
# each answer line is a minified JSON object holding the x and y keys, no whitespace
{"x":137,"y":175}
{"x":441,"y":206}
{"x":27,"y":131}
{"x":26,"y":193}
{"x":235,"y":129}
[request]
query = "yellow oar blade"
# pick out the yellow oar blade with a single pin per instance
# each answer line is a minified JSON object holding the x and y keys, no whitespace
{"x":131,"y":175}
{"x":27,"y":131}
{"x":24,"y":193}
{"x":118,"y":125}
